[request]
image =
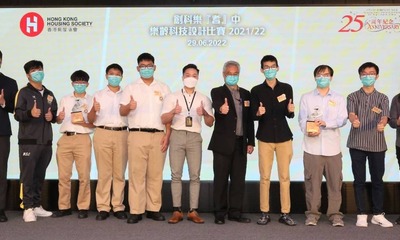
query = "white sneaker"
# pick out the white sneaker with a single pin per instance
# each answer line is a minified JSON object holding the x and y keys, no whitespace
{"x":40,"y":212}
{"x":362,"y":220}
{"x":381,"y":220}
{"x":29,"y":215}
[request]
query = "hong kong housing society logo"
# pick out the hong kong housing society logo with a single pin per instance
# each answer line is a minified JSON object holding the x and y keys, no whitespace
{"x":31,"y":24}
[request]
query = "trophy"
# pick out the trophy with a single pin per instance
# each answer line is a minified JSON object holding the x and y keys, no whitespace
{"x":76,"y":113}
{"x":311,"y":126}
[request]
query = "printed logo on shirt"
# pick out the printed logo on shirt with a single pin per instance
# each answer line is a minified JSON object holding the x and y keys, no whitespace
{"x":26,"y":154}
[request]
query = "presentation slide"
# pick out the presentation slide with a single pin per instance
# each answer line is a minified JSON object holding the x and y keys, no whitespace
{"x":344,"y":37}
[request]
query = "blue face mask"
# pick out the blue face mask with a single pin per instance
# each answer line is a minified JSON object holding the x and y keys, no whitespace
{"x":368,"y":80}
{"x":146,"y":72}
{"x":37,"y":76}
{"x":232,"y":80}
{"x":270,"y":74}
{"x":80,"y":88}
{"x":323,"y":82}
{"x":114,"y":80}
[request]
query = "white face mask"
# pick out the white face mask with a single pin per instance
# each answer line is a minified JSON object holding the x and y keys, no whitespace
{"x":190,"y":82}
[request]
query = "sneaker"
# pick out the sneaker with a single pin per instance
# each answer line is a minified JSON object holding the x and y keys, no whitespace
{"x":264,"y":219}
{"x":381,"y":220}
{"x":40,"y":212}
{"x":337,"y":221}
{"x":311,"y":220}
{"x":29,"y":215}
{"x":287,"y":219}
{"x":362,"y":220}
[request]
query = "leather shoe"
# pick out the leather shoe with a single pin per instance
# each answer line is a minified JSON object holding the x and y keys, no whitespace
{"x":62,"y":213}
{"x":194,"y":217}
{"x":156,"y":216}
{"x":3,"y":217}
{"x":102,"y":215}
{"x":239,"y":219}
{"x":83,"y":214}
{"x":177,"y":216}
{"x":219,"y":220}
{"x":120,"y":215}
{"x":134,"y":218}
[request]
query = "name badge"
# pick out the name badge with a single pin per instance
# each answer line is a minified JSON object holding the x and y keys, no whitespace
{"x":281,"y":98}
{"x":246,"y":103}
{"x":376,"y":110}
{"x":332,"y":103}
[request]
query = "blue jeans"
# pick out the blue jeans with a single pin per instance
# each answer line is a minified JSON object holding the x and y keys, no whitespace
{"x":376,"y":164}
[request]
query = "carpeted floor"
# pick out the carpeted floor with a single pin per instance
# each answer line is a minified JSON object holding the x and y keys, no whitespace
{"x":71,"y":227}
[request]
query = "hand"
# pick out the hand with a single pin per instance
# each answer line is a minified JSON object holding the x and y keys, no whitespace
{"x":61,"y":115}
{"x":398,"y":121}
{"x":381,"y":125}
{"x":261,"y":110}
{"x":200,"y":110}
{"x":132,"y":104}
{"x":320,"y":123}
{"x":290,"y":106}
{"x":313,"y":134}
{"x":96,"y":105}
{"x":35,"y":111}
{"x":49,"y":115}
{"x":2,"y":99}
{"x":164,"y":143}
{"x":250,"y":149}
{"x":224,"y":109}
{"x":177,"y":109}
{"x":356,"y":122}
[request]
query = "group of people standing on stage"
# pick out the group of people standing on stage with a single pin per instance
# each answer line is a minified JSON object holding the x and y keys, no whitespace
{"x":135,"y":126}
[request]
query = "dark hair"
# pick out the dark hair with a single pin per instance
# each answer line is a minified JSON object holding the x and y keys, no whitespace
{"x":115,"y":66}
{"x":190,"y":65}
{"x":145,"y":56}
{"x":1,"y":54}
{"x":269,"y":58}
{"x":80,"y":75}
{"x":368,"y":65}
{"x":33,"y":64}
{"x":322,"y":68}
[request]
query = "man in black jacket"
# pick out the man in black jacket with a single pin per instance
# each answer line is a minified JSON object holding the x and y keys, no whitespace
{"x":35,"y":110}
{"x":231,"y":141}
{"x":8,"y":89}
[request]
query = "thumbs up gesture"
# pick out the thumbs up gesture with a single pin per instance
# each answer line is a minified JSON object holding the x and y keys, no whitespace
{"x":49,"y":115}
{"x":132,"y":104}
{"x":224,"y":109}
{"x":200,"y":110}
{"x":2,"y":100}
{"x":96,"y":105}
{"x":178,"y":108}
{"x":35,"y":111}
{"x":61,"y":115}
{"x":381,"y":125}
{"x":261,"y":110}
{"x":290,"y":106}
{"x":356,"y":122}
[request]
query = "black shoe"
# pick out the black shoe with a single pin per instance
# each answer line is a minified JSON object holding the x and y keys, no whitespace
{"x":286,"y":219}
{"x":3,"y":217}
{"x":134,"y":218}
{"x":156,"y":216}
{"x":120,"y":215}
{"x":62,"y":213}
{"x":239,"y":219}
{"x":264,"y":219}
{"x":102,"y":215}
{"x":83,"y":214}
{"x":397,"y":221}
{"x":219,"y":220}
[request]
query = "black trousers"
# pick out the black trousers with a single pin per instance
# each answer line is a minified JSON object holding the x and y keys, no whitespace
{"x":34,"y":160}
{"x":233,"y":167}
{"x":4,"y":154}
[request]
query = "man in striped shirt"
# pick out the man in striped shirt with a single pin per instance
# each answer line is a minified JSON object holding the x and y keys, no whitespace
{"x":368,"y":113}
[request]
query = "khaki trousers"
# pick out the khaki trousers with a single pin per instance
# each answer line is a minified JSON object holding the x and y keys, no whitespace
{"x":74,"y":149}
{"x":110,"y":148}
{"x":284,"y":153}
{"x":145,"y":166}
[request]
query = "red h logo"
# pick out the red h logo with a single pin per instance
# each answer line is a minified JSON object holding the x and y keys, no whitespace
{"x":31,"y":24}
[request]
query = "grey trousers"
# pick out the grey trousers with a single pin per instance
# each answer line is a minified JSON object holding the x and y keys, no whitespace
{"x":330,"y":167}
{"x":185,"y":144}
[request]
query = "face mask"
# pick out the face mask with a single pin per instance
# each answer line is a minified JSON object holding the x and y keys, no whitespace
{"x":368,"y":80}
{"x":232,"y":80}
{"x":80,"y":88}
{"x":190,"y":82}
{"x":114,"y":80}
{"x":270,"y":73}
{"x":146,"y":72}
{"x":323,"y":82}
{"x":37,"y":76}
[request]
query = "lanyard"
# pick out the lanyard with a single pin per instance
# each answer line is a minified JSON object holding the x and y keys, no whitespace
{"x":191,"y":104}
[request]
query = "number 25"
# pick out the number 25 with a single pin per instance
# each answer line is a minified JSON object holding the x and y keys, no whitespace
{"x":357,"y":20}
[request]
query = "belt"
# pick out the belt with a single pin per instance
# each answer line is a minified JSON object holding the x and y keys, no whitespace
{"x":113,"y":128}
{"x":72,"y":133}
{"x":150,"y":130}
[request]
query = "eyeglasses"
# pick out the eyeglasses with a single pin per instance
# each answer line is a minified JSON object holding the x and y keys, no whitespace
{"x":323,"y":75}
{"x":370,"y":74}
{"x":146,"y":66}
{"x":269,"y":68}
